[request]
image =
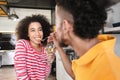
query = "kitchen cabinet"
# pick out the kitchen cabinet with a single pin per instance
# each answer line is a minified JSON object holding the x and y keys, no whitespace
{"x":7,"y":57}
{"x":0,"y":60}
{"x":114,"y":29}
{"x":111,"y":30}
{"x":7,"y":46}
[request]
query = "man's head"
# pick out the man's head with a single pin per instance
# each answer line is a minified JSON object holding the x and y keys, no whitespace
{"x":85,"y":16}
{"x":62,"y":15}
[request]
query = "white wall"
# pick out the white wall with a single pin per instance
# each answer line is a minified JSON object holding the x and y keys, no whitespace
{"x":113,"y":15}
{"x":7,"y":25}
{"x":116,"y":13}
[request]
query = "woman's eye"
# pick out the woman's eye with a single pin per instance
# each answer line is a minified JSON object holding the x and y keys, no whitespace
{"x":32,"y":30}
{"x":40,"y":29}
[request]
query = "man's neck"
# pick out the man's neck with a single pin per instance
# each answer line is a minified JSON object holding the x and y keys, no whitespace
{"x":82,"y":46}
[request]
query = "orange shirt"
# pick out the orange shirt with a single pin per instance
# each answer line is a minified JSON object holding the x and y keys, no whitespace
{"x":99,"y":63}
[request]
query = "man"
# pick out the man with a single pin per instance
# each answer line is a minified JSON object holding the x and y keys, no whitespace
{"x":78,"y":23}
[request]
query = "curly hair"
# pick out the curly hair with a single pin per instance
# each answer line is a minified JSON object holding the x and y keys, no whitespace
{"x":23,"y":25}
{"x":88,"y":16}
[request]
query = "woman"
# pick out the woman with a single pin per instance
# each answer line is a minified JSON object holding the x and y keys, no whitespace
{"x":31,"y":59}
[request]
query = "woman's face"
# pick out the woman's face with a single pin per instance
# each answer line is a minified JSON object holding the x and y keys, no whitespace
{"x":35,"y":33}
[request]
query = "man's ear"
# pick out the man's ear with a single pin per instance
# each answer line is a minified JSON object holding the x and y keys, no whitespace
{"x":67,"y":26}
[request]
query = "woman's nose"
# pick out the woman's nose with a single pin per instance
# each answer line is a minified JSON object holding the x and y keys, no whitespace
{"x":37,"y":32}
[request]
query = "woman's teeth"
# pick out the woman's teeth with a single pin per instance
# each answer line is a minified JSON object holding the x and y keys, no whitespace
{"x":39,"y":39}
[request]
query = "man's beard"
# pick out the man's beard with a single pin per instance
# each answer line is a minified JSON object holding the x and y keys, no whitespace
{"x":62,"y":44}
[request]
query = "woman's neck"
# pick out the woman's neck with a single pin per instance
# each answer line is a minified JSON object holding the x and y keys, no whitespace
{"x":36,"y":46}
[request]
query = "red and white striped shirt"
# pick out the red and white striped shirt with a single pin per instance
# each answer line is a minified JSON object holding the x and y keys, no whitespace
{"x":29,"y":63}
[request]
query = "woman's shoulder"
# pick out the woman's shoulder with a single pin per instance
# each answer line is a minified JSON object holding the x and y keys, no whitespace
{"x":22,"y":41}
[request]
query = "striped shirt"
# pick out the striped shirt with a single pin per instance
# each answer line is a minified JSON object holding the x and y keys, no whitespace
{"x":30,"y":64}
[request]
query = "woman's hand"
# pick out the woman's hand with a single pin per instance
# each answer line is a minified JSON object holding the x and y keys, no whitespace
{"x":50,"y":49}
{"x":53,"y":38}
{"x":50,"y":57}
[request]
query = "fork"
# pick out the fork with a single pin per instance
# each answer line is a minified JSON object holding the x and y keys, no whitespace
{"x":44,"y":39}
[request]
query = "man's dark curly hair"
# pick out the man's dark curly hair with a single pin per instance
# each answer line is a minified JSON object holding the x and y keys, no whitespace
{"x":88,"y":16}
{"x":22,"y":27}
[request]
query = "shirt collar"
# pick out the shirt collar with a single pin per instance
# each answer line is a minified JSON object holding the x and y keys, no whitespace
{"x":105,"y":41}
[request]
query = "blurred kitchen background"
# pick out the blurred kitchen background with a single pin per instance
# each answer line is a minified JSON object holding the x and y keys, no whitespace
{"x":12,"y":11}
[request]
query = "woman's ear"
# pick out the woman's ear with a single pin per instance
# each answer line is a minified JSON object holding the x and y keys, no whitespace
{"x":28,"y":35}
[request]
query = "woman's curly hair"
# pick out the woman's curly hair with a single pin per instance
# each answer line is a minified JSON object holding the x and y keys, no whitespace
{"x":23,"y":25}
{"x":88,"y":17}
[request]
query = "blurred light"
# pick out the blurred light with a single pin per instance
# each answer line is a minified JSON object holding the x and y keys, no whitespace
{"x":13,"y":16}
